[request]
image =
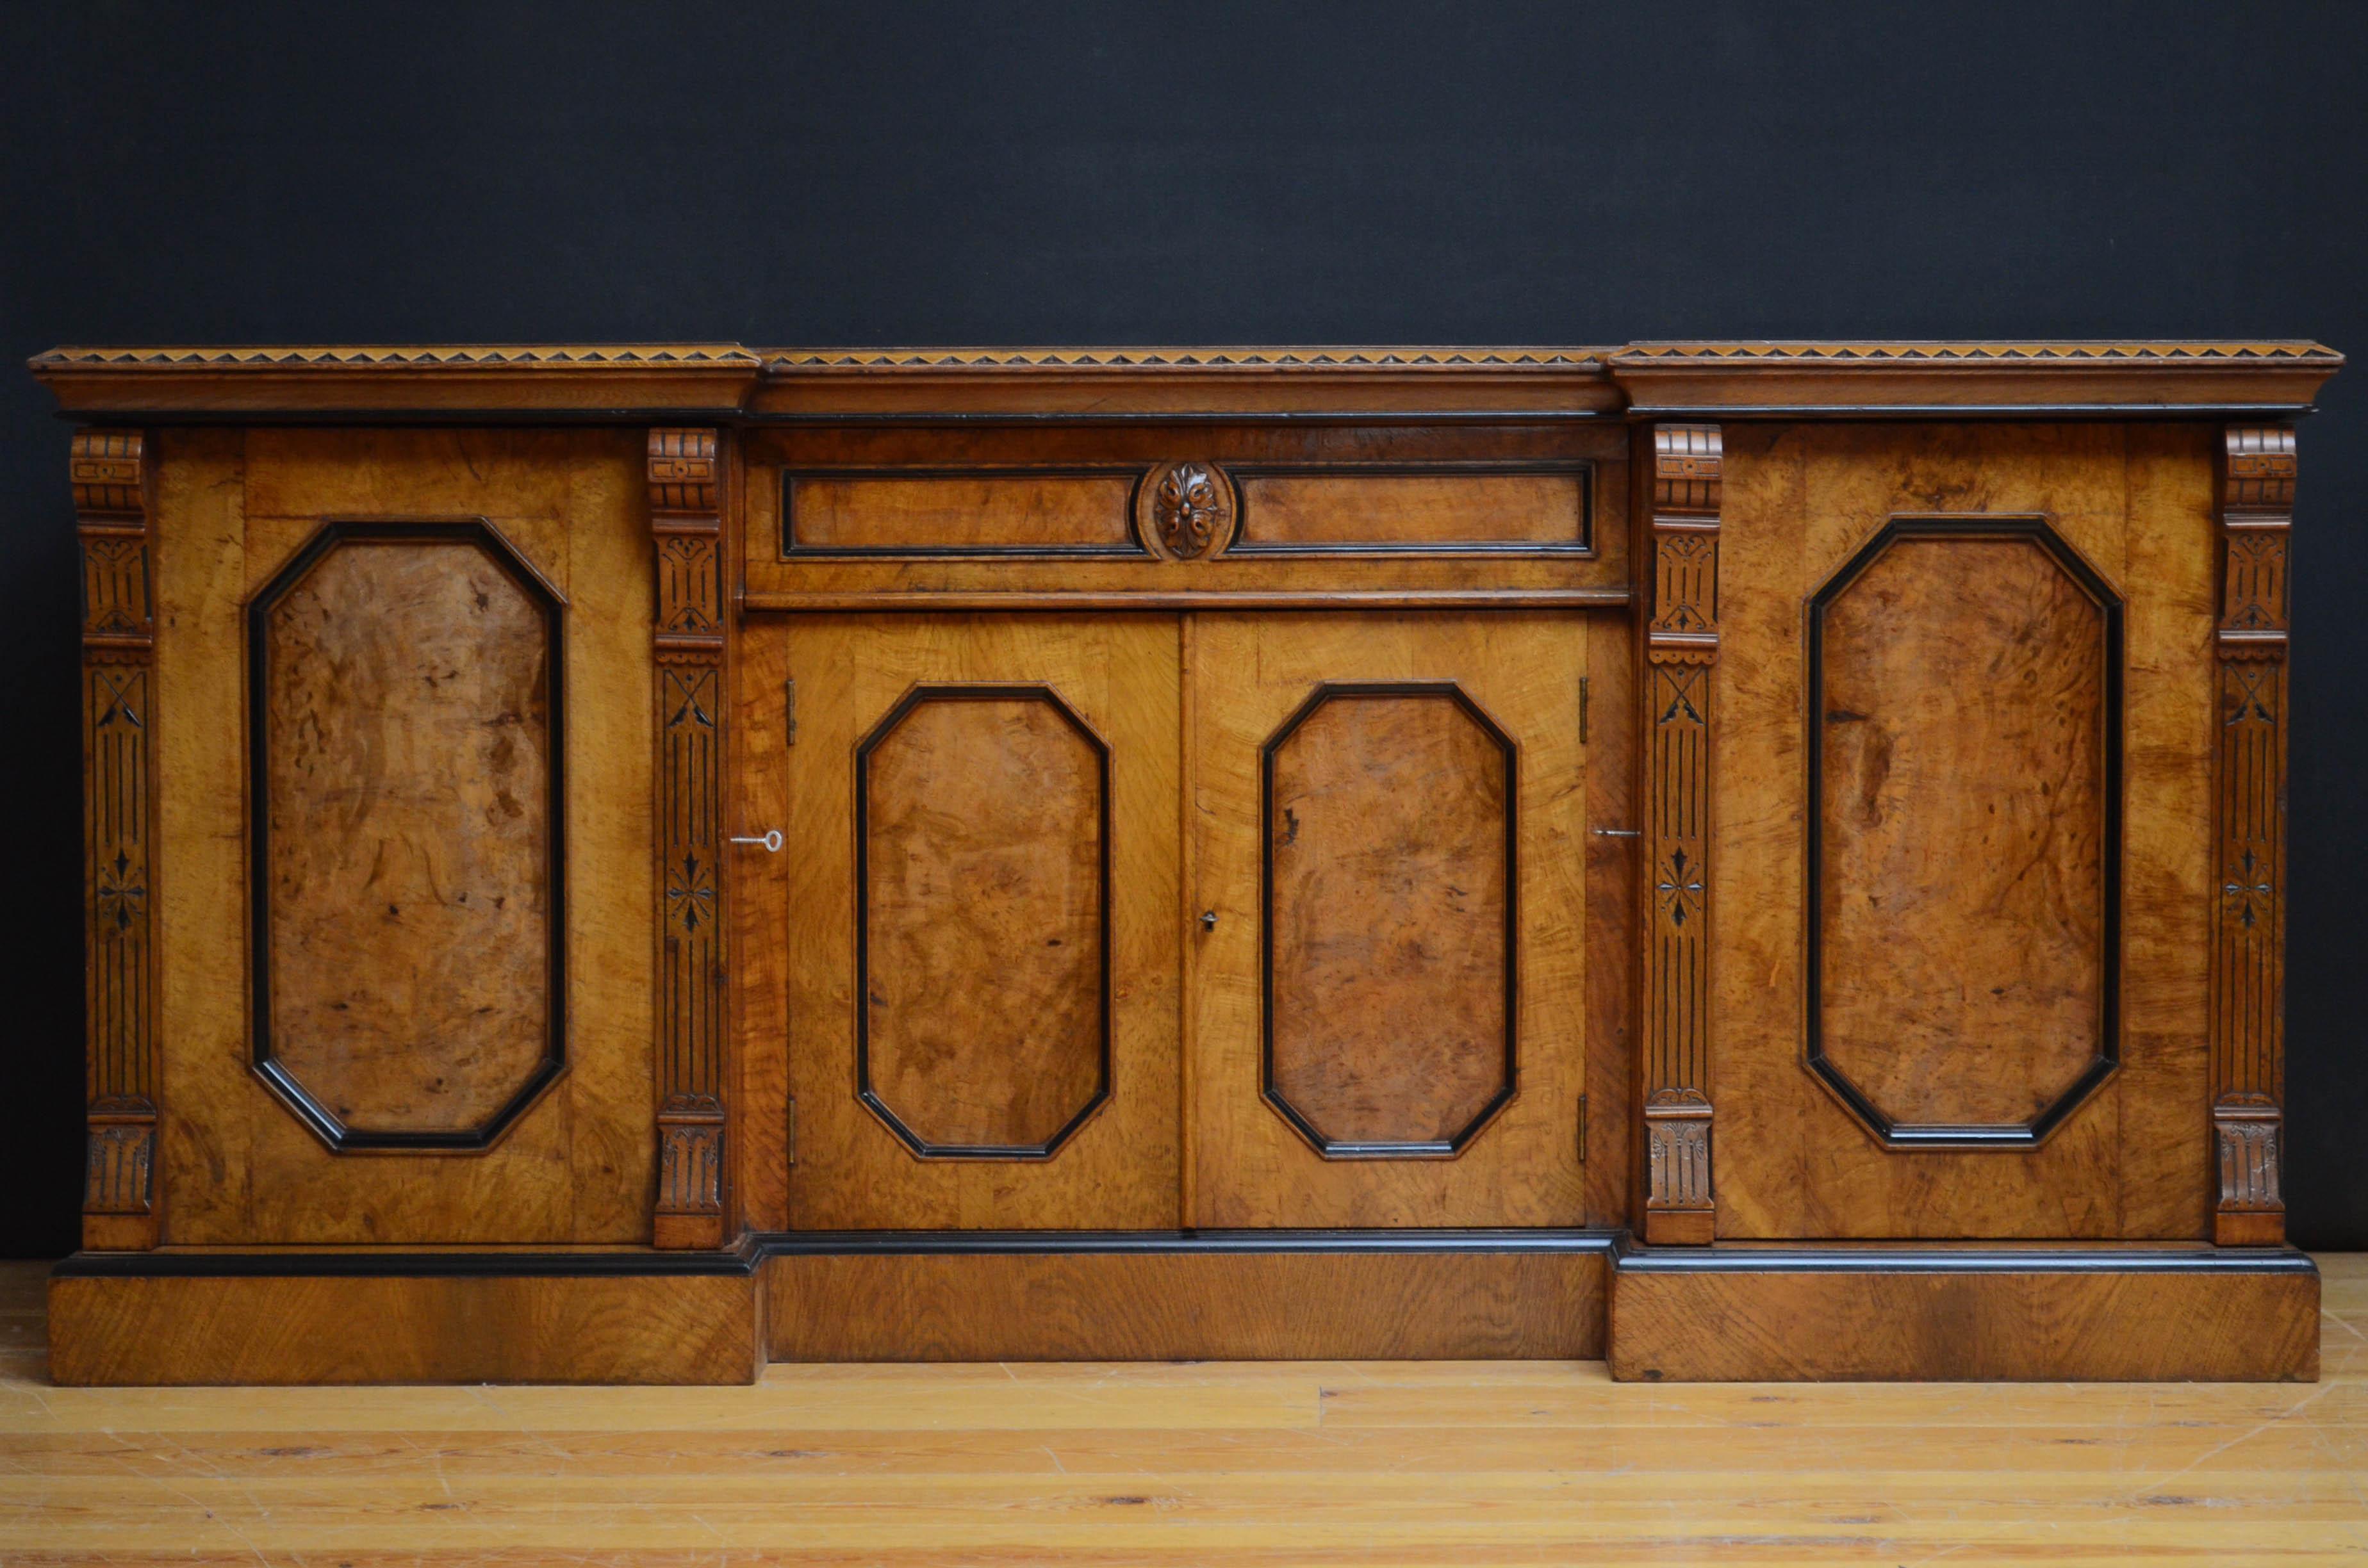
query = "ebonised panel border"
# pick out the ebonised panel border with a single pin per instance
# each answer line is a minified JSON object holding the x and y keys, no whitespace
{"x":489,"y":541}
{"x":1332,"y":1149}
{"x":2021,"y":1135}
{"x":912,"y":699}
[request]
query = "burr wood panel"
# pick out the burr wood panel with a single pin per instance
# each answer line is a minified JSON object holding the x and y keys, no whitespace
{"x":407,"y":844}
{"x":920,"y":513}
{"x":114,"y":490}
{"x":1389,"y":920}
{"x":1965,"y":830}
{"x":2249,"y":817}
{"x":1445,"y":510}
{"x":983,"y":942}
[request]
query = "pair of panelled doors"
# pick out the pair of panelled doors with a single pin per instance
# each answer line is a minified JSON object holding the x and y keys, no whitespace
{"x":1144,"y":921}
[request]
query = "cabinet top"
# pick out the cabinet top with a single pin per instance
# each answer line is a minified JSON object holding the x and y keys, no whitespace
{"x":728,"y":382}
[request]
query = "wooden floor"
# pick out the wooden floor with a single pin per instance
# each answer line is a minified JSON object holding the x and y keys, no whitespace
{"x":1346,"y":1463}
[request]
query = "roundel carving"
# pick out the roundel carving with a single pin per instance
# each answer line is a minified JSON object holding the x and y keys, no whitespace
{"x":982,"y":922}
{"x":1964,"y":835}
{"x":1388,"y":935}
{"x":406,"y":828}
{"x":1185,"y":510}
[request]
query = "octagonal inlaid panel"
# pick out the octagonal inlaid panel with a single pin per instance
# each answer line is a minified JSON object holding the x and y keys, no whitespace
{"x":406,"y":835}
{"x":1965,"y":682}
{"x":984,"y":925}
{"x":1388,"y":944}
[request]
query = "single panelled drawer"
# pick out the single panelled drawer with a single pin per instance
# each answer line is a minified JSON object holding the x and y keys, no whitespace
{"x":1522,"y":517}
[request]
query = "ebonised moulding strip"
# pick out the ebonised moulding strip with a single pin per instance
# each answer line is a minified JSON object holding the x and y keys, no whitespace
{"x":803,"y":1243}
{"x":740,"y":1260}
{"x":754,"y":1248}
{"x":1830,"y":412}
{"x":2038,"y":1258}
{"x":770,"y":601}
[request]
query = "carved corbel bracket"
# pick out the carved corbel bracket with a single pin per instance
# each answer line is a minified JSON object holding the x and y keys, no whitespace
{"x":687,"y":532}
{"x":1680,"y":649}
{"x":113,"y":492}
{"x":2248,"y":832}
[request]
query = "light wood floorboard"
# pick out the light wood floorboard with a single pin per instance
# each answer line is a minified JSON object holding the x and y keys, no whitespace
{"x":1461,"y":1463}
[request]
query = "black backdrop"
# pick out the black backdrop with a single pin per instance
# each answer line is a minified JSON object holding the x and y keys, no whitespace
{"x":1128,"y":173}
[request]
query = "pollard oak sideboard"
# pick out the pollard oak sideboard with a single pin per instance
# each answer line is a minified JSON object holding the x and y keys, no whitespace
{"x":1747,"y":860}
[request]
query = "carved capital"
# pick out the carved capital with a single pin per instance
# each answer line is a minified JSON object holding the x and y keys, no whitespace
{"x":1688,"y":484}
{"x":111,"y":492}
{"x":2257,"y":489}
{"x":687,"y":525}
{"x":683,"y":476}
{"x":1688,"y":470}
{"x":1185,"y":510}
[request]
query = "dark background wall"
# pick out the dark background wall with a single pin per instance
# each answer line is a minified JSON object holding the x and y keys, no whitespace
{"x":1129,"y":173}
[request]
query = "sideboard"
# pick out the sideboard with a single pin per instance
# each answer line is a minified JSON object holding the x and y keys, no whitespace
{"x":1751,"y":860}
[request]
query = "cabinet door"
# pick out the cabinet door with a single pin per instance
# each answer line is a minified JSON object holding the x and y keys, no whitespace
{"x":979,"y":909}
{"x":1385,"y":989}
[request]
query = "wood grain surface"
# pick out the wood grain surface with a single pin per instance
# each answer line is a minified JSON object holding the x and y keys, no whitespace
{"x":986,"y":892}
{"x":2029,"y":1324}
{"x":518,"y":1328}
{"x":1388,"y":884}
{"x":852,"y":1172}
{"x":234,"y":508}
{"x":1272,"y":1463}
{"x":2136,"y":501}
{"x":934,"y":512}
{"x":409,"y":728}
{"x":1185,"y":1306}
{"x":1279,"y":511}
{"x":1250,"y":674}
{"x":1961,"y":895}
{"x":979,"y":539}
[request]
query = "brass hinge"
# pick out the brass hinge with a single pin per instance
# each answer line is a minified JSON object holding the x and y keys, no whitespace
{"x":794,"y":1131}
{"x":789,"y":708}
{"x":1582,"y":710}
{"x":1582,"y":1129}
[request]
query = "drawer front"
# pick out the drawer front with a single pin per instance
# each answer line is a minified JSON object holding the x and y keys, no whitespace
{"x":1178,"y":516}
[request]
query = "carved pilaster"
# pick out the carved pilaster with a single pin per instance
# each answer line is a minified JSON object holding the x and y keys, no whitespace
{"x":2249,"y":832}
{"x":1681,"y":648}
{"x":687,"y":531}
{"x":112,"y":511}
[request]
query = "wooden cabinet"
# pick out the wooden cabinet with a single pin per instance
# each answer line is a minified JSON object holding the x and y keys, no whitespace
{"x":1746,"y":859}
